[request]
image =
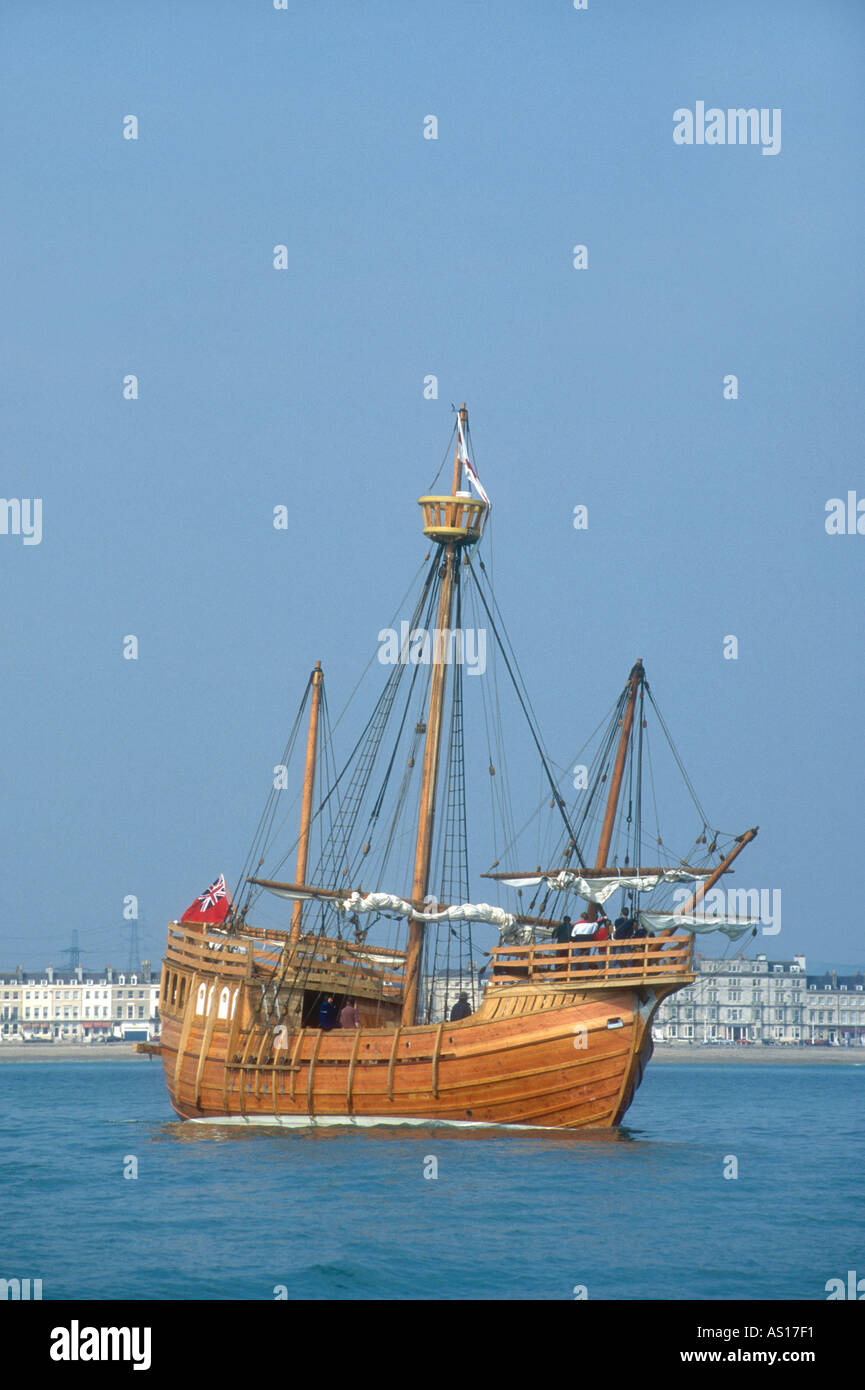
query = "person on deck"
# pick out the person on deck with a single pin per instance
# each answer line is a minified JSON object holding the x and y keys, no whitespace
{"x":582,"y":930}
{"x":602,"y":934}
{"x":623,"y":927}
{"x":623,"y":930}
{"x":563,"y":931}
{"x":348,"y":1015}
{"x":562,"y":935}
{"x":327,"y":1014}
{"x":461,"y":1009}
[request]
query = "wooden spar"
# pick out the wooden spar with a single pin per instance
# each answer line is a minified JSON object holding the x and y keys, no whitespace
{"x":458,"y":466}
{"x":608,"y":871}
{"x":331,"y":893}
{"x":303,"y":888}
{"x":635,"y":680}
{"x":306,"y":804}
{"x":704,"y":887}
{"x":429,"y":781}
{"x":426,"y":812}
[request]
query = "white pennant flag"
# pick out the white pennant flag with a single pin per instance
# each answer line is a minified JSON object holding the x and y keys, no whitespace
{"x":464,"y":459}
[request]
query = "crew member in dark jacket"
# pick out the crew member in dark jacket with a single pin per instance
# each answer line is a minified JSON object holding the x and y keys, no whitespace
{"x":461,"y":1009}
{"x":327,"y":1014}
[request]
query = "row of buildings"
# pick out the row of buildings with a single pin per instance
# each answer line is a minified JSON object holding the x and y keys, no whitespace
{"x":78,"y":1005}
{"x":770,"y":1002}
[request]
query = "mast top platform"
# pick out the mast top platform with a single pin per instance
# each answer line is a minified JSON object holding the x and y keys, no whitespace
{"x":458,"y":517}
{"x":455,"y":518}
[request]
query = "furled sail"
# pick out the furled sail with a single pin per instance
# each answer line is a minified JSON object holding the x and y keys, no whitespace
{"x":355,"y":902}
{"x":464,"y":912}
{"x":597,"y":890}
{"x":732,"y":927}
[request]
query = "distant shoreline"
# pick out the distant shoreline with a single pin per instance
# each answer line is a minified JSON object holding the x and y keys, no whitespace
{"x":67,"y":1052}
{"x":664,"y":1052}
{"x":762,"y":1056}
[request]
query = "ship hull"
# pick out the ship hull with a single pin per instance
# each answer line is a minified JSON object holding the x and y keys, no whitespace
{"x":560,"y":1040}
{"x":559,"y":1059}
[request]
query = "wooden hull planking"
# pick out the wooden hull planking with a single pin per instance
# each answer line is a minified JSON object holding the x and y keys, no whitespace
{"x":538,"y":1052}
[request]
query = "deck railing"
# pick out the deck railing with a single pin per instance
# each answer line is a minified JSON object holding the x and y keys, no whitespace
{"x":594,"y":962}
{"x":315,"y":959}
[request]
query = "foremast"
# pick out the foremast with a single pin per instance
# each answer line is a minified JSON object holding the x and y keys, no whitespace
{"x":454,"y":521}
{"x":306,"y":802}
{"x":635,"y":680}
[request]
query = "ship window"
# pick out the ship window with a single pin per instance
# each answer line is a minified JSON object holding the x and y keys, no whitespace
{"x":173,"y":988}
{"x":210,"y":997}
{"x":199,"y":1002}
{"x":182,"y":998}
{"x":223,"y":1002}
{"x":233,"y":1002}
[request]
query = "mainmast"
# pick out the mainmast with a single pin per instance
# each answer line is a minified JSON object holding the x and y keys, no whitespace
{"x":635,"y":680}
{"x":453,"y":521}
{"x":306,"y":803}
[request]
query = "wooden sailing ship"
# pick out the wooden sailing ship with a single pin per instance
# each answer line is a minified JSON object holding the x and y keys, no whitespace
{"x":562,"y":1033}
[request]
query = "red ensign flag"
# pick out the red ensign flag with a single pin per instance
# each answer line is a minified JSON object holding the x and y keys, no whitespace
{"x":212,"y":906}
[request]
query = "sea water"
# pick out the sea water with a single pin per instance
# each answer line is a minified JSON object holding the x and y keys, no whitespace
{"x":728,"y":1181}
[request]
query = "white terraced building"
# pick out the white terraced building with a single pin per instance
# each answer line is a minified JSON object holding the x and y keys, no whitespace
{"x":78,"y":1005}
{"x":767,"y":1002}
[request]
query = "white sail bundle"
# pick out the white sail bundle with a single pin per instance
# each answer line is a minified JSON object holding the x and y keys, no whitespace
{"x":398,"y":907}
{"x":598,"y":890}
{"x":732,"y":927}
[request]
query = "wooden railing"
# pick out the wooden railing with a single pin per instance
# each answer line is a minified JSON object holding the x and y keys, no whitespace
{"x":593,"y":963}
{"x":341,"y":966}
{"x":315,"y":959}
{"x":452,"y":518}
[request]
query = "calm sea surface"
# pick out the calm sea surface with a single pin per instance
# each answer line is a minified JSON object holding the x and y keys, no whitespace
{"x":228,"y":1213}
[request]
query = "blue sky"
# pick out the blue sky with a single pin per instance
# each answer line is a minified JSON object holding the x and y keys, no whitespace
{"x":410,"y":257}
